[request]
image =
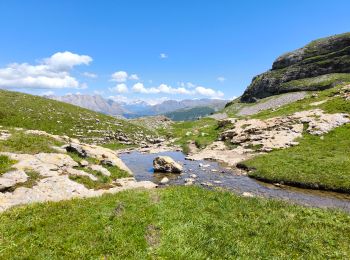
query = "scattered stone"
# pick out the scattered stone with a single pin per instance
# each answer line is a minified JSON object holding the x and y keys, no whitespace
{"x":83,"y":163}
{"x":226,"y":122}
{"x":189,"y":180}
{"x":280,"y":132}
{"x":193,"y":176}
{"x":248,"y":194}
{"x":166,"y":164}
{"x":207,"y":184}
{"x":4,"y":135}
{"x":165,"y":180}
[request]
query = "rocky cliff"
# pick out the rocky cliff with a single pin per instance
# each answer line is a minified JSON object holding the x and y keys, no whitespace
{"x":309,"y":68}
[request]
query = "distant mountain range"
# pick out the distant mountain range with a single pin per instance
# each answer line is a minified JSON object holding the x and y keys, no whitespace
{"x":137,"y":108}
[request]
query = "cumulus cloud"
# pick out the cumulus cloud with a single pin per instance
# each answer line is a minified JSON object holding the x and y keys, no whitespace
{"x":134,"y":77}
{"x":140,"y":88}
{"x":221,"y":79}
{"x":67,"y":60}
{"x":90,"y":75}
{"x":165,"y":89}
{"x":50,"y":73}
{"x":120,"y":88}
{"x":208,"y":92}
{"x":163,"y":56}
{"x":120,"y":76}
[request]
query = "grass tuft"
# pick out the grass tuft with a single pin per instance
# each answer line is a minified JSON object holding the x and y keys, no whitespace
{"x":5,"y":164}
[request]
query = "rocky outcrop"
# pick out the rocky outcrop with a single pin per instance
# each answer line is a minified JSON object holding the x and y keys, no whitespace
{"x":104,"y":155}
{"x":52,"y":176}
{"x":281,"y":132}
{"x":166,"y":164}
{"x":324,"y":56}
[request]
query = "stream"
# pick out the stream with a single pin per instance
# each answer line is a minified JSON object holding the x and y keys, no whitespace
{"x":220,"y":176}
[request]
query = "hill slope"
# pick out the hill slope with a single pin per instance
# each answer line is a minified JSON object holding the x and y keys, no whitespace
{"x":137,"y":108}
{"x":189,"y":114}
{"x":33,"y":112}
{"x":316,"y":66}
{"x":95,"y":103}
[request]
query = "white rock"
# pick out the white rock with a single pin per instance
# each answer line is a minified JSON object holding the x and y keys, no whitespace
{"x":166,"y":164}
{"x":247,"y":194}
{"x":10,"y":179}
{"x":165,"y":180}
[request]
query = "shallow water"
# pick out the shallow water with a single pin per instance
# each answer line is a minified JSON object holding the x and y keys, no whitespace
{"x":220,"y":176}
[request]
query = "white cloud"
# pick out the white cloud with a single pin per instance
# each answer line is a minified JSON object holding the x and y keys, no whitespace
{"x":165,"y":89}
{"x":120,"y":76}
{"x":221,"y":79}
{"x":208,"y":92}
{"x":90,"y":75}
{"x":134,"y":77}
{"x":163,"y":56}
{"x":67,"y":60}
{"x":140,"y":88}
{"x":120,"y":88}
{"x":50,"y":73}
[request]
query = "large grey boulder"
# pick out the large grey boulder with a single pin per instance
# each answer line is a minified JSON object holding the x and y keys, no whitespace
{"x":166,"y":164}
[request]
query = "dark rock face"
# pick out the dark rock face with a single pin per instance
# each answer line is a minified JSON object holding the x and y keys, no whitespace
{"x":320,"y":57}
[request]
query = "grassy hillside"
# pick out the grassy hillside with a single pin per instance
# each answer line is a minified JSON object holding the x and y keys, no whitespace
{"x":203,"y":132}
{"x":190,"y":114}
{"x":33,"y":112}
{"x":316,"y":163}
{"x":173,"y":223}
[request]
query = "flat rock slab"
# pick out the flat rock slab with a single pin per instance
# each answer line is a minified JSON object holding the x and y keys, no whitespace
{"x":12,"y":178}
{"x":62,"y":188}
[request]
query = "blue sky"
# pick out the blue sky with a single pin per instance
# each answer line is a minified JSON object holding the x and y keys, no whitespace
{"x":173,"y":49}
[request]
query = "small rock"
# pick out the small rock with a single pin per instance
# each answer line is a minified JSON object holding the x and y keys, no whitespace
{"x":83,"y":163}
{"x":193,"y":176}
{"x":207,"y":184}
{"x":247,"y":194}
{"x":189,"y":180}
{"x":165,"y":180}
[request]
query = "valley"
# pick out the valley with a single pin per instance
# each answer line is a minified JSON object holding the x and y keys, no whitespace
{"x":251,"y":173}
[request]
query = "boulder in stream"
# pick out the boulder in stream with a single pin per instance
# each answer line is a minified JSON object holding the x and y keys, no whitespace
{"x":166,"y":164}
